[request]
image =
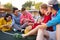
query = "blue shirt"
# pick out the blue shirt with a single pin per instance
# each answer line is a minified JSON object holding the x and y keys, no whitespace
{"x":54,"y":21}
{"x":53,"y":16}
{"x":16,"y":19}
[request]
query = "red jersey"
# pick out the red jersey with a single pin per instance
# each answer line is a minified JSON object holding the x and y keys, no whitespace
{"x":45,"y":20}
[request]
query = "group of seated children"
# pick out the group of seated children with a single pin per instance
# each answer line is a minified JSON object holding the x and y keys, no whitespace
{"x":24,"y":20}
{"x":51,"y":19}
{"x":17,"y":20}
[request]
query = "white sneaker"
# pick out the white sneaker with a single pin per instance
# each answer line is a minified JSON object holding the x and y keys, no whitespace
{"x":14,"y":30}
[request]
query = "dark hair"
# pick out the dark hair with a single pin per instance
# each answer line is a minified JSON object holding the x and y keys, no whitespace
{"x":14,"y":9}
{"x":55,"y":7}
{"x":40,"y":14}
{"x":23,"y":9}
{"x":7,"y":15}
{"x":44,"y":6}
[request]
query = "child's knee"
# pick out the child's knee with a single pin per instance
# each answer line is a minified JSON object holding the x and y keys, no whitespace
{"x":27,"y":29}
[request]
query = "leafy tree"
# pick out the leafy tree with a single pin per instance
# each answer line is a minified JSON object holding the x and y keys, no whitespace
{"x":59,"y":5}
{"x":37,"y":5}
{"x":8,"y":5}
{"x":27,"y":4}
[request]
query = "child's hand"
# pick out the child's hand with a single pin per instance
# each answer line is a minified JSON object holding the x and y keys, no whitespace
{"x":26,"y":19}
{"x":31,"y":24}
{"x":5,"y":25}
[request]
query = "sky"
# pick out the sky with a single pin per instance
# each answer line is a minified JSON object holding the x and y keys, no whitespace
{"x":19,"y":3}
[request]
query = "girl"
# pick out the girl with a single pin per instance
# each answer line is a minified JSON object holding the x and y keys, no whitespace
{"x":5,"y":23}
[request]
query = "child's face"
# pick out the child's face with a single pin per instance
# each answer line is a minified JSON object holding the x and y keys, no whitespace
{"x":16,"y":12}
{"x":49,"y":9}
{"x":9,"y":18}
{"x":24,"y":12}
{"x":42,"y":10}
{"x":53,"y":11}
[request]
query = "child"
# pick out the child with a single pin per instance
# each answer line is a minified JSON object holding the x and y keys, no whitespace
{"x":5,"y":23}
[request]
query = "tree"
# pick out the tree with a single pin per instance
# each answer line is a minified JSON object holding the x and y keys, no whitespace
{"x":8,"y":5}
{"x":59,"y":5}
{"x":27,"y":4}
{"x":37,"y":5}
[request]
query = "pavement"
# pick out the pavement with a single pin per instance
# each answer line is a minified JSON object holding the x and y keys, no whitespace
{"x":8,"y":36}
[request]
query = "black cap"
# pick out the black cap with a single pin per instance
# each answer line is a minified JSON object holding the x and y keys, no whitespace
{"x":56,"y":7}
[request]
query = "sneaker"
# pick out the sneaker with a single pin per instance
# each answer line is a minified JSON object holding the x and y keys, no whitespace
{"x":17,"y":35}
{"x":14,"y":30}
